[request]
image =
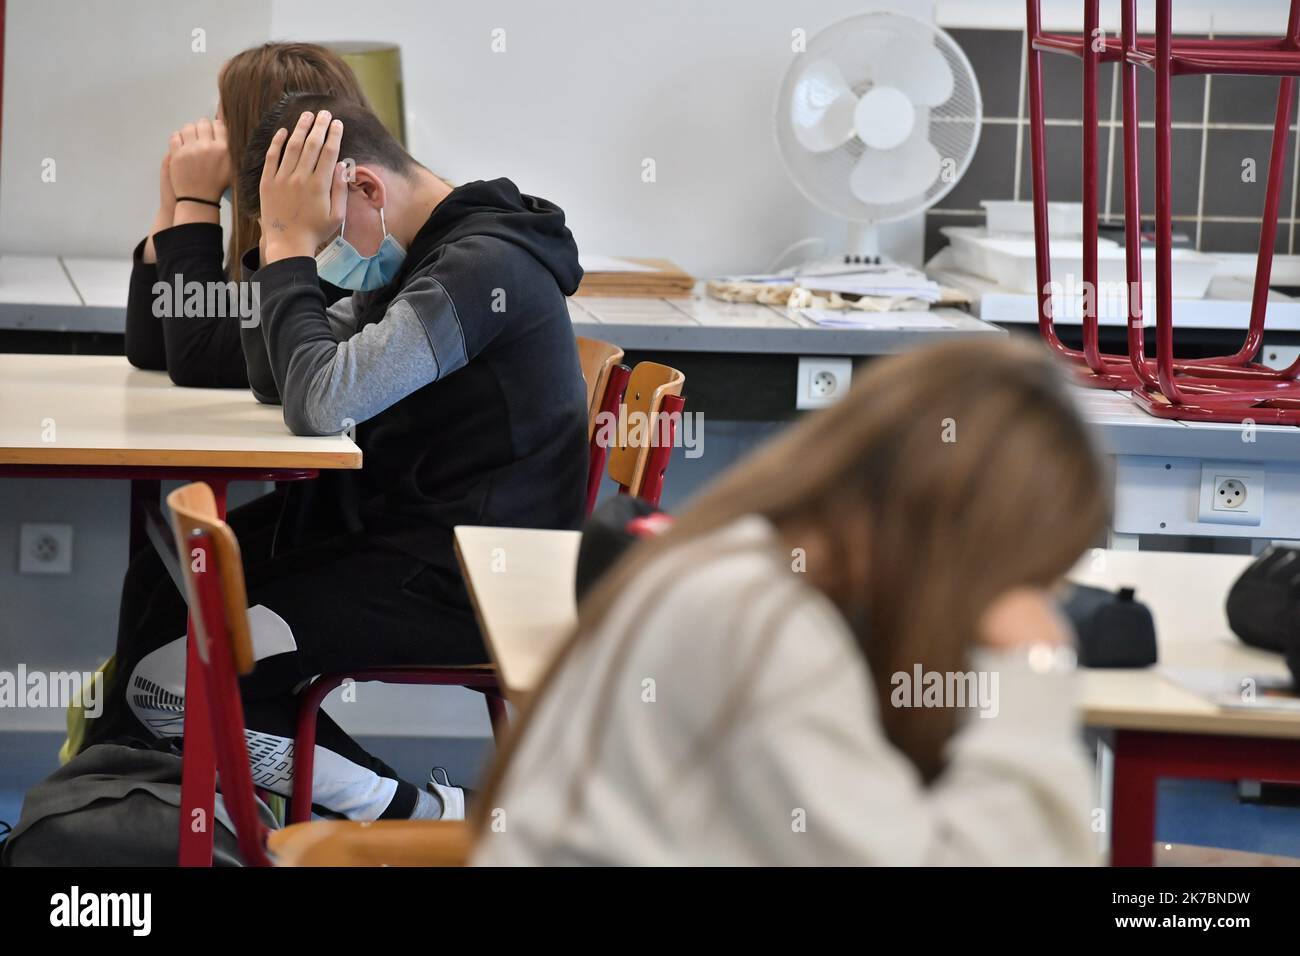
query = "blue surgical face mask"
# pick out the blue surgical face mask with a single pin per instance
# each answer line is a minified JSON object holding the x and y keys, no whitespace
{"x":339,"y":263}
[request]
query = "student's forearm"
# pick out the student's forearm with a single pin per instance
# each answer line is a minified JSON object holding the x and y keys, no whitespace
{"x":163,"y":220}
{"x":203,"y":350}
{"x":188,"y":212}
{"x":327,"y":385}
{"x":1016,"y":789}
{"x":145,"y":347}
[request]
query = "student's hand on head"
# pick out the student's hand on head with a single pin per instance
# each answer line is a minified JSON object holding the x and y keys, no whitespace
{"x":200,"y":160}
{"x":200,"y":169}
{"x":1022,"y":617}
{"x":303,"y":190}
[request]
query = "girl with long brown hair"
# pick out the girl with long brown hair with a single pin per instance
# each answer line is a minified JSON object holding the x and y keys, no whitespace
{"x":844,"y":652}
{"x":184,"y":244}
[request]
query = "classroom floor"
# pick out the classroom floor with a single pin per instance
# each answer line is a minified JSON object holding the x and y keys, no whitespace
{"x":1191,"y":814}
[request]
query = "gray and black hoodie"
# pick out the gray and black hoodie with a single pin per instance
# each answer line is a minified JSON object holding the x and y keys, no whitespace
{"x":460,"y":377}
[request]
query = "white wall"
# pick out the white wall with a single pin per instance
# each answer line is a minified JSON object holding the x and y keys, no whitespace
{"x":98,"y":87}
{"x":585,"y":91}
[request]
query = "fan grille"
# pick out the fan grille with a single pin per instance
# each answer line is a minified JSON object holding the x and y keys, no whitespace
{"x":952,"y":127}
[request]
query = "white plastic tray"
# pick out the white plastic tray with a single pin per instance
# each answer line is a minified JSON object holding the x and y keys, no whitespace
{"x":1010,"y":263}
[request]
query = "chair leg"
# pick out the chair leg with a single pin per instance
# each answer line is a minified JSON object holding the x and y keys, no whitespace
{"x":499,"y":716}
{"x":304,"y":746}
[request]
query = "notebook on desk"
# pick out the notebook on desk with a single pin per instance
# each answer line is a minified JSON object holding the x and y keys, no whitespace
{"x":626,"y":276}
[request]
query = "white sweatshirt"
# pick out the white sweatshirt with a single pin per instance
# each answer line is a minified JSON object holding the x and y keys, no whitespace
{"x":800,"y":771}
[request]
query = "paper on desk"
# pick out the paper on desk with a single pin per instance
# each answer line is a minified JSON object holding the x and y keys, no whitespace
{"x":878,"y":321}
{"x":1240,"y":690}
{"x":883,"y":281}
{"x":594,"y":263}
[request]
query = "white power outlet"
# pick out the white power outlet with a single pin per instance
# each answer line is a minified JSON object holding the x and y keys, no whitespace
{"x":1279,"y":356}
{"x":1231,"y":494}
{"x":45,"y":549}
{"x":822,"y":381}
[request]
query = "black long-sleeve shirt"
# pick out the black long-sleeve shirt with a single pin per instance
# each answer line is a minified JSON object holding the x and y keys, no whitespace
{"x":199,"y":351}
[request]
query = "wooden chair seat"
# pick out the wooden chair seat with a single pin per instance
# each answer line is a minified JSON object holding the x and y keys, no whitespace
{"x":378,"y":843}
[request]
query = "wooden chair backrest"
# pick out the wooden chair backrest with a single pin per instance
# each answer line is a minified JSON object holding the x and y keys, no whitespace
{"x":194,"y":508}
{"x":596,"y":358}
{"x":649,"y":385}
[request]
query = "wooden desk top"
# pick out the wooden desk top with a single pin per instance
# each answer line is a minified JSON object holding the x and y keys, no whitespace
{"x":1186,"y":594}
{"x":521,"y":582}
{"x":1148,"y":700}
{"x":100,"y":411}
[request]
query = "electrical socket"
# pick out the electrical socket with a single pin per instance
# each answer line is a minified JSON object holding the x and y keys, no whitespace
{"x":45,"y":549}
{"x":1231,"y":494}
{"x":822,"y":381}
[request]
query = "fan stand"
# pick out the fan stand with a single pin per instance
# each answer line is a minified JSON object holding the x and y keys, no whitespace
{"x":864,"y":240}
{"x":862,"y":249}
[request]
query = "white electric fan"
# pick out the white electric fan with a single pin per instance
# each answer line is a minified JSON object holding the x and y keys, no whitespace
{"x":877,"y":120}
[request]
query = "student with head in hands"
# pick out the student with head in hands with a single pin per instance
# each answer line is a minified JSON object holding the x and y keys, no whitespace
{"x":758,"y":685}
{"x":453,"y":364}
{"x":185,"y":243}
{"x":197,"y":339}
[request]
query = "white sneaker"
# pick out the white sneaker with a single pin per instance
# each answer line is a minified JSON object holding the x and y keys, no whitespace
{"x":452,"y":798}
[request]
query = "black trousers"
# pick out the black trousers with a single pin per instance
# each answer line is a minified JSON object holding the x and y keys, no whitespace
{"x":341,"y":603}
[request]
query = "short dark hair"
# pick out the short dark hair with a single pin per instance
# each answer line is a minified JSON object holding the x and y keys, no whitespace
{"x":365,"y":140}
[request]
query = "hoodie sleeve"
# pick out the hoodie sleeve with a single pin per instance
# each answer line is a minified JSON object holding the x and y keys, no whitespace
{"x":261,"y":378}
{"x":331,"y":375}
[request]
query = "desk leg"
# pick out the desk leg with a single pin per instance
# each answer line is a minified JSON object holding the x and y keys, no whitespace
{"x":1133,"y":801}
{"x":1143,"y":757}
{"x":142,"y":490}
{"x":199,"y":766}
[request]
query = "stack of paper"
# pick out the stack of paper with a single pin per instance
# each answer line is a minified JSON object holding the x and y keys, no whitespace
{"x":883,"y":281}
{"x":640,"y":278}
{"x":876,"y":321}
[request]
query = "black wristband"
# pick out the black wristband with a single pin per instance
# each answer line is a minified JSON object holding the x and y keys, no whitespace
{"x":206,"y":202}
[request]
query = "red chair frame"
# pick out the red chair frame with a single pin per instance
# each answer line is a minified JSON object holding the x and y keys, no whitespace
{"x":1264,"y":395}
{"x":597,"y":452}
{"x":225,"y":706}
{"x":1234,"y":373}
{"x":661,"y":452}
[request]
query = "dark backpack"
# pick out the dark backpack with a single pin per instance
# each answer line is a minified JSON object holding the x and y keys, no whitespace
{"x":614,"y":526}
{"x":114,"y":804}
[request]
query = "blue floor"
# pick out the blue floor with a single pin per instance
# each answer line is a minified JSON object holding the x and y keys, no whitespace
{"x":1208,"y":813}
{"x":1196,"y":812}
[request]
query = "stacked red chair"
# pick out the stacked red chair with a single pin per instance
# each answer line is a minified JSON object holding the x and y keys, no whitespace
{"x":1226,"y":388}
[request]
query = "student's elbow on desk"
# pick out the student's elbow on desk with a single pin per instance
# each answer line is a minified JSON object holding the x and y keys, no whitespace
{"x":305,"y":421}
{"x":263,"y":398}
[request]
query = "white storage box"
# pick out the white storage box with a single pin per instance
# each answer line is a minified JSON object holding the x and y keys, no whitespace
{"x":1010,"y":263}
{"x":1005,"y":217}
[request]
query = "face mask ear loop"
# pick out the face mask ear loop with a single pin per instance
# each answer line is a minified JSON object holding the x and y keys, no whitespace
{"x":344,"y":222}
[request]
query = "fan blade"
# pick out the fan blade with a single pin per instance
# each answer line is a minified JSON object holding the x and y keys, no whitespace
{"x":918,"y":69}
{"x":821,"y":108}
{"x":886,"y":176}
{"x":884,"y":118}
